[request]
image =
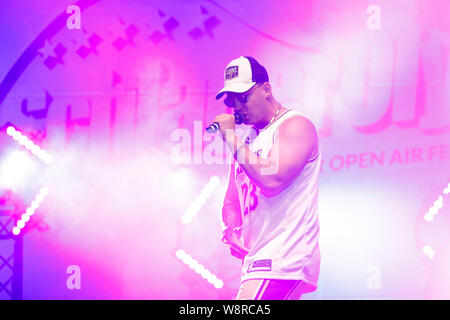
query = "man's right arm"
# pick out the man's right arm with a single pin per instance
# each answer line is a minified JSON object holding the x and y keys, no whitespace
{"x":231,"y":212}
{"x":231,"y":217}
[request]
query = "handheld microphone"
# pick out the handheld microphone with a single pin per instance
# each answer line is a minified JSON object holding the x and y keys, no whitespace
{"x":238,"y":119}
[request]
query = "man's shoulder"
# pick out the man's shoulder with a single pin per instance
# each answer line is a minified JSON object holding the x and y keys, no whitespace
{"x":300,"y":130}
{"x":297,"y":124}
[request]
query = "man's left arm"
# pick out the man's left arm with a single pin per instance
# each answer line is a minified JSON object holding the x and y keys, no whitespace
{"x":297,"y":140}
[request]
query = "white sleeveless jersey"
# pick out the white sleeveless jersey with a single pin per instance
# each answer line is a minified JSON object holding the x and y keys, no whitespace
{"x":282,"y":232}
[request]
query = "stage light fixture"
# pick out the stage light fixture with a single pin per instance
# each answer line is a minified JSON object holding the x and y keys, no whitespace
{"x":29,"y":145}
{"x":15,"y":169}
{"x":30,"y":211}
{"x":199,"y":268}
{"x":200,"y":200}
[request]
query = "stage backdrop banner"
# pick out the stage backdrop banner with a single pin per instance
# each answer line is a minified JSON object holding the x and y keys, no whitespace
{"x":120,"y":92}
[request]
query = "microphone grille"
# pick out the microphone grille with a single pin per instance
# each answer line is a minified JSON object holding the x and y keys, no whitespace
{"x":238,"y":118}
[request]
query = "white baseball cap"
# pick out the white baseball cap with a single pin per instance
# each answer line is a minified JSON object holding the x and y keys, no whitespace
{"x":241,"y":74}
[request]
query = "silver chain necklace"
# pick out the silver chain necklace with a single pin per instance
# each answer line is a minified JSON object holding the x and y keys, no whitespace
{"x":274,"y":116}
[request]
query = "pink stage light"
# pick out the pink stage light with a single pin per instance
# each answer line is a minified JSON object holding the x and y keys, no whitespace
{"x":200,"y":200}
{"x":10,"y":131}
{"x":16,"y":231}
{"x":29,"y":145}
{"x":15,"y":169}
{"x":30,"y":211}
{"x":200,"y":269}
{"x":437,"y":205}
{"x":428,"y":251}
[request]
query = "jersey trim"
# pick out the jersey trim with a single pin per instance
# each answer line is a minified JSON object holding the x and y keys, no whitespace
{"x":317,"y":155}
{"x":280,"y":117}
{"x":311,"y":285}
{"x":275,"y":133}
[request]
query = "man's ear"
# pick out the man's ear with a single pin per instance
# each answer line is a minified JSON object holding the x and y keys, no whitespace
{"x":267,"y":90}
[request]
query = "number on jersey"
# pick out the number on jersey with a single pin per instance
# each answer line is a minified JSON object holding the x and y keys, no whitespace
{"x":250,"y":197}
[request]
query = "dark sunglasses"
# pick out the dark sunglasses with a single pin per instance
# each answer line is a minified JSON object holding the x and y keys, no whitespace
{"x":230,"y":100}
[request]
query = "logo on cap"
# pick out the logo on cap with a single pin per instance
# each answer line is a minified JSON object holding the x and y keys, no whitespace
{"x":231,"y":72}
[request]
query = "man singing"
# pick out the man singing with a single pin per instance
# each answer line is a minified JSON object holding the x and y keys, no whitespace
{"x":270,"y":209}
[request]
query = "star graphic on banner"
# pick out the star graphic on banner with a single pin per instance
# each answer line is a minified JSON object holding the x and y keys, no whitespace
{"x":169,"y":25}
{"x":46,"y":50}
{"x":79,"y":39}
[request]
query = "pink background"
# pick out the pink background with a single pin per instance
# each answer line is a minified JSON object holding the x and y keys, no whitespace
{"x":138,"y":70}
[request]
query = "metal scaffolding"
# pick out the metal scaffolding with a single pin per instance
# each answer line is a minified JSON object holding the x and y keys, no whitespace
{"x":11,"y":254}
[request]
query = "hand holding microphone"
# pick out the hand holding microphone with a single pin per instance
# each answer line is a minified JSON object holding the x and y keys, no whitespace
{"x":225,"y":121}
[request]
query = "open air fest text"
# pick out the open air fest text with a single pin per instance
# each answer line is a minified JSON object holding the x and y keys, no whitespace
{"x":231,"y":309}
